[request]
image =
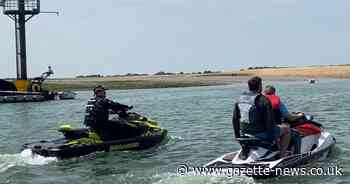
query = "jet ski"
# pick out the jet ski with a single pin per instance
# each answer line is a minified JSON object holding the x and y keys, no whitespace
{"x":83,"y":141}
{"x":316,"y":144}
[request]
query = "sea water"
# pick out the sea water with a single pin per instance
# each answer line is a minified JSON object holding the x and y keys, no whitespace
{"x":199,"y":123}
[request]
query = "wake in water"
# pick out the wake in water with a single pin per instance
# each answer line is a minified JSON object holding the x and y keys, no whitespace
{"x":26,"y":157}
{"x":174,"y":139}
{"x":165,"y":178}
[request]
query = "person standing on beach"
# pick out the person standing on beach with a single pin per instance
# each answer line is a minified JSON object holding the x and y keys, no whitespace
{"x":253,"y":115}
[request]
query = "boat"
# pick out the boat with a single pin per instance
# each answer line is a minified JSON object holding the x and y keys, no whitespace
{"x":66,"y":95}
{"x":13,"y":97}
{"x":83,"y":141}
{"x":21,"y":96}
{"x":312,"y":81}
{"x":316,"y":144}
{"x":30,"y":91}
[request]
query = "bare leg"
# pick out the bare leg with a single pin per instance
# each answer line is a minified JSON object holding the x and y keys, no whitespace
{"x":285,"y":139}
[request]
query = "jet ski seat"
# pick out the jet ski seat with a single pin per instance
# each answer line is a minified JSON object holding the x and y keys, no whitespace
{"x":251,"y":141}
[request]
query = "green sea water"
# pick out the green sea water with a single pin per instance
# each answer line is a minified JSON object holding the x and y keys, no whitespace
{"x":199,"y":123}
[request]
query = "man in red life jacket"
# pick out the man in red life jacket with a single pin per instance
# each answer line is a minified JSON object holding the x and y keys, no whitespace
{"x":279,"y":109}
{"x":280,"y":113}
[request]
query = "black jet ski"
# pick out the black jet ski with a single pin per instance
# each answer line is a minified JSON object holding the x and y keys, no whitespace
{"x":316,"y":144}
{"x":83,"y":141}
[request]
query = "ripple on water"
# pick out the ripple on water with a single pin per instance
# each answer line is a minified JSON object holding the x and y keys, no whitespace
{"x":166,"y":178}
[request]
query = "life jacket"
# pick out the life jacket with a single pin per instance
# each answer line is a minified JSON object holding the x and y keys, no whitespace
{"x":90,"y":115}
{"x":97,"y":112}
{"x":250,"y":116}
{"x":275,"y":102}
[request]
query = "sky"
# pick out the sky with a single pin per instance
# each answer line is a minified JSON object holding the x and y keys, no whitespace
{"x":147,"y":36}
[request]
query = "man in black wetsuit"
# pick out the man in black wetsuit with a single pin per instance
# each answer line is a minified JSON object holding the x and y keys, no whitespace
{"x":97,"y":116}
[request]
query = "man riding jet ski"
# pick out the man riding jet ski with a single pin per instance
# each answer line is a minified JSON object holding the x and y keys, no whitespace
{"x":97,"y":116}
{"x":258,"y":136}
{"x":281,"y":114}
{"x":253,"y":114}
{"x":127,"y":131}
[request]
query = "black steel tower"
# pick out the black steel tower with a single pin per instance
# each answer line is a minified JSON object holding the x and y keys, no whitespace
{"x":21,"y":11}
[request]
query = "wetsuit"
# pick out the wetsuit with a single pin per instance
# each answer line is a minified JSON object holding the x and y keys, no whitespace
{"x":97,"y":118}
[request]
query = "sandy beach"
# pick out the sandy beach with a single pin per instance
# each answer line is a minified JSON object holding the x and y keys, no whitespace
{"x":339,"y":71}
{"x":190,"y":80}
{"x":140,"y":82}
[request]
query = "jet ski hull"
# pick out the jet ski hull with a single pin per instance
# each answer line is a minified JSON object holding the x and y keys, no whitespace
{"x":311,"y":151}
{"x":62,"y":148}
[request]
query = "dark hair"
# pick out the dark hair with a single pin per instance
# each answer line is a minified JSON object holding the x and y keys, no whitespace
{"x":99,"y":87}
{"x":255,"y":83}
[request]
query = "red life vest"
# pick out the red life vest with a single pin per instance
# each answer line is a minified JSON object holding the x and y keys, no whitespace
{"x":275,"y":101}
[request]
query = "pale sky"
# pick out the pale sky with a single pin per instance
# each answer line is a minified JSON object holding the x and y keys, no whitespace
{"x":146,"y":36}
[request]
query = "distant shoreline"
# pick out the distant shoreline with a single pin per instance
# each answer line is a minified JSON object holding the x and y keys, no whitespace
{"x":151,"y":82}
{"x":138,"y":82}
{"x":331,"y":71}
{"x":193,"y":80}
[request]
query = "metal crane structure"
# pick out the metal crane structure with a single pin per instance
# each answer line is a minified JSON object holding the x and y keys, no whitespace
{"x":21,"y":11}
